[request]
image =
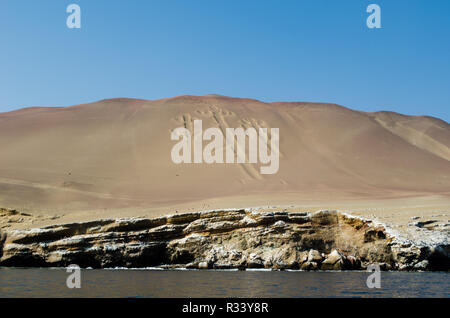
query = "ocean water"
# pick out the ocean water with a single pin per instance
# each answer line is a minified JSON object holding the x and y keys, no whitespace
{"x":43,"y":282}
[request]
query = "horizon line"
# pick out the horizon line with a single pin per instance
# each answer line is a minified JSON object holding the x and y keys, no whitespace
{"x":212,"y":95}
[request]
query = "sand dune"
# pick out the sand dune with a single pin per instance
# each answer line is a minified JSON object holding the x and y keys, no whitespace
{"x":115,"y":154}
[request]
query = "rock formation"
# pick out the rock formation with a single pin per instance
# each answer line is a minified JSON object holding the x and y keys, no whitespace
{"x":324,"y":240}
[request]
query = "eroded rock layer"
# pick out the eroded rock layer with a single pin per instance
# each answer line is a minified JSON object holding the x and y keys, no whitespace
{"x":324,"y":240}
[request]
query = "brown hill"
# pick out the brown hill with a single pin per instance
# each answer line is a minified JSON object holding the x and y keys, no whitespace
{"x":116,"y":154}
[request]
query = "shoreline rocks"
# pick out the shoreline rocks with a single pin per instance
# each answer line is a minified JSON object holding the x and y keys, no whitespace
{"x":227,"y":239}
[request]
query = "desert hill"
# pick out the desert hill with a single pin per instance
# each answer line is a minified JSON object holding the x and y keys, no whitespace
{"x":116,"y":154}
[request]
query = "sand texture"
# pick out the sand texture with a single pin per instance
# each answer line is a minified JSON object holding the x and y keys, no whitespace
{"x":112,"y":159}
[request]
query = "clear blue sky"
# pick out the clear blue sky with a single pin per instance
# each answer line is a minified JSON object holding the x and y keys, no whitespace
{"x":270,"y":50}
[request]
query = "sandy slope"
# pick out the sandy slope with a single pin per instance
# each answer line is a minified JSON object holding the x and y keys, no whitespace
{"x":112,"y":157}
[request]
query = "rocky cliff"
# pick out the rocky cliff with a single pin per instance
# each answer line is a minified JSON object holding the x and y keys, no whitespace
{"x":325,"y":240}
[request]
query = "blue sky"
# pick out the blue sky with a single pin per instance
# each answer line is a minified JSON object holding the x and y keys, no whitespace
{"x":270,"y":50}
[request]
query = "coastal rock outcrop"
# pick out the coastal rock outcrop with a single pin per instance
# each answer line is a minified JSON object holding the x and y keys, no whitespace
{"x":324,"y":240}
